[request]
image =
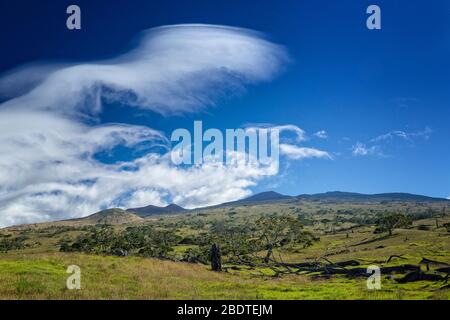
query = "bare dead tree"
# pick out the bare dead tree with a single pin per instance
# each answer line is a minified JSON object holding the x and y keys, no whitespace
{"x":216,"y":259}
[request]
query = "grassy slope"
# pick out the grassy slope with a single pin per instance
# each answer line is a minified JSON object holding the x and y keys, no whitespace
{"x":38,"y":272}
{"x":43,"y":277}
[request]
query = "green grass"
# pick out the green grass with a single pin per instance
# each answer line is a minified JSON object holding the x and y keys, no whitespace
{"x":39,"y":271}
{"x":44,"y":277}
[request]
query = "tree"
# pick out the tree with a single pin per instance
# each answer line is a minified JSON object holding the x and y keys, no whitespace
{"x":233,"y":238}
{"x":145,"y":241}
{"x":447,"y":226}
{"x":8,"y":244}
{"x":278,"y":231}
{"x":392,"y":221}
{"x":243,"y":243}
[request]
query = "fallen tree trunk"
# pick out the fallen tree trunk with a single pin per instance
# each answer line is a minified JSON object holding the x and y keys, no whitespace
{"x":419,"y":276}
{"x":444,"y":270}
{"x":433,"y":262}
{"x":395,"y":256}
{"x":401,"y":268}
{"x":370,"y":241}
{"x":327,"y":268}
{"x":347,"y":263}
{"x":362,"y":272}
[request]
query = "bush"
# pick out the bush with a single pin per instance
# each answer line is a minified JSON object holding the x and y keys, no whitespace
{"x":8,"y":244}
{"x":447,"y":226}
{"x":392,"y":221}
{"x":144,"y":241}
{"x":196,"y":255}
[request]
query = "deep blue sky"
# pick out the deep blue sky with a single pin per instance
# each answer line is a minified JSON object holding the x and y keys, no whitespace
{"x":354,"y":83}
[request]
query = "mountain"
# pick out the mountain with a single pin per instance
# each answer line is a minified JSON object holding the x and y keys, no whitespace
{"x":360,"y":197}
{"x":110,"y":216}
{"x":333,"y":196}
{"x":263,"y":197}
{"x":266,"y":196}
{"x":119,"y":216}
{"x":155,"y":210}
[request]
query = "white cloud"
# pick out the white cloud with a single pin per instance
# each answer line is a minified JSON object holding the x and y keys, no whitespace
{"x":299,"y":134}
{"x":360,"y":149}
{"x":376,"y":145}
{"x":48,"y":164}
{"x":48,"y":171}
{"x":298,"y":153}
{"x":408,"y":136}
{"x":174,"y":69}
{"x":292,"y":151}
{"x":322,"y":134}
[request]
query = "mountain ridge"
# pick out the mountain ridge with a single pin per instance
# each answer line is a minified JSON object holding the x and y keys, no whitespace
{"x":120,"y":216}
{"x":111,"y":216}
{"x":393,"y":196}
{"x":155,"y":210}
{"x":338,"y":196}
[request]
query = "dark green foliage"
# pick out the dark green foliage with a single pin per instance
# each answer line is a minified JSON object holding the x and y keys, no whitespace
{"x":280,"y":231}
{"x":64,"y":246}
{"x":196,"y":255}
{"x":143,"y":241}
{"x":12,"y":243}
{"x":231,"y":237}
{"x":304,"y":220}
{"x":390,"y":222}
{"x":245,"y":241}
{"x":54,"y":230}
{"x":447,"y":226}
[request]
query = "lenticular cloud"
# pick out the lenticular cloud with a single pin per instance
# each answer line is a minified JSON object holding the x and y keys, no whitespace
{"x":174,"y":69}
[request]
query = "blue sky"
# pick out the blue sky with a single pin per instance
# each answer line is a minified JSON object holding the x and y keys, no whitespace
{"x":382,"y":96}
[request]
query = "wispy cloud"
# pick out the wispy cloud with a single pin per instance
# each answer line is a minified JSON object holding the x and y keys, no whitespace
{"x":375,"y":145}
{"x":322,"y":134}
{"x":360,"y":149}
{"x":403,"y":135}
{"x":289,"y":147}
{"x":299,"y":153}
{"x":299,"y":133}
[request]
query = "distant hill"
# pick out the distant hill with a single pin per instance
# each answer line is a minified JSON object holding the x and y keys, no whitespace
{"x":155,"y":210}
{"x":263,"y":197}
{"x":359,"y":197}
{"x":119,"y":216}
{"x":266,"y":196}
{"x":111,"y":216}
{"x":333,"y":196}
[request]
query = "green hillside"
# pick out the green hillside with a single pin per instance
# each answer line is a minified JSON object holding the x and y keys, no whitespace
{"x":323,"y":250}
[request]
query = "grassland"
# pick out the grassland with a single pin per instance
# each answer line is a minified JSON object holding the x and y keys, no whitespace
{"x":38,"y":271}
